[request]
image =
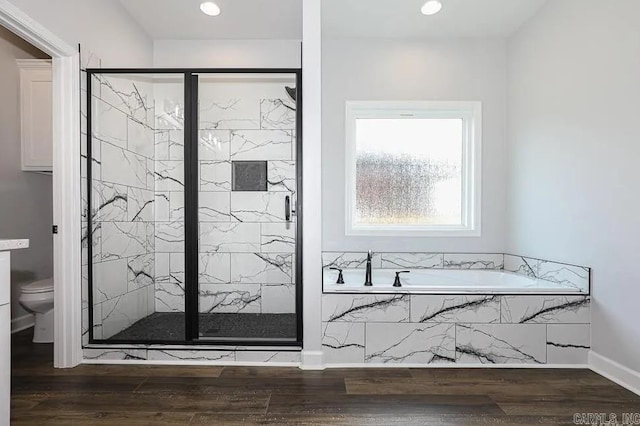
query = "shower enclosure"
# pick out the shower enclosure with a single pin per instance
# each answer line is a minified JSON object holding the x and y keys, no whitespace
{"x":194,"y":195}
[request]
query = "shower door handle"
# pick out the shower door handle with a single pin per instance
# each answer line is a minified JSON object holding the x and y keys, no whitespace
{"x":287,"y":208}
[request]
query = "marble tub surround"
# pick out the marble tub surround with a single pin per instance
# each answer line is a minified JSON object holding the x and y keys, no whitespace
{"x":563,"y":276}
{"x":422,"y":330}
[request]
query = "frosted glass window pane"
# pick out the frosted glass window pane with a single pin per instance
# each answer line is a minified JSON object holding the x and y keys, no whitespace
{"x":409,"y":171}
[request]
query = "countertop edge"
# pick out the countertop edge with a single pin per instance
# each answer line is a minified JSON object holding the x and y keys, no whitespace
{"x":14,"y":244}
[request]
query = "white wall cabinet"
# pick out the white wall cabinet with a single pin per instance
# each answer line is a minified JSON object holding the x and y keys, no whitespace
{"x":36,"y":131}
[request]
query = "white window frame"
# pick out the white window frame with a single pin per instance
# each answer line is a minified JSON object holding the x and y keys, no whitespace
{"x":471,"y":114}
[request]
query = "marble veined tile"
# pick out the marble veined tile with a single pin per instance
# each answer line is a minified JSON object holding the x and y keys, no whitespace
{"x":162,"y":274}
{"x":349,"y":260}
{"x":215,"y":176}
{"x":109,"y":202}
{"x":129,"y":95}
{"x":123,"y":311}
{"x":545,"y":309}
{"x":365,"y":308}
{"x":173,"y":117}
{"x":229,"y":113}
{"x":169,"y":237}
{"x":114,"y":354}
{"x":281,"y":176}
{"x":565,"y":275}
{"x":169,"y":297}
{"x":96,"y":242}
{"x":278,"y":237}
{"x":343,"y":342}
{"x":109,"y":280}
{"x":214,"y":145}
{"x":215,"y":268}
{"x":568,"y":343}
{"x":441,"y":308}
{"x":89,"y":59}
{"x":108,"y":124}
{"x":278,"y":298}
{"x":176,"y":206}
{"x":278,"y":114}
{"x":412,"y":260}
{"x":162,"y":206}
{"x":141,"y":271}
{"x":258,"y":206}
{"x":176,"y":267}
{"x":214,"y":207}
{"x":261,"y":268}
{"x":473,"y":261}
{"x":501,"y":343}
{"x":229,"y":237}
{"x":261,"y":145}
{"x":187,"y":355}
{"x":141,"y":204}
{"x":169,"y":176}
{"x":169,"y":144}
{"x":268,"y":356}
{"x":229,"y":298}
{"x":124,"y":239}
{"x":123,"y":167}
{"x":140,"y":138}
{"x":521,"y":265}
{"x":410,"y":343}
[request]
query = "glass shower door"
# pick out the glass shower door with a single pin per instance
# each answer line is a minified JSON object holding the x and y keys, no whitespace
{"x":247,"y":197}
{"x":135,"y":190}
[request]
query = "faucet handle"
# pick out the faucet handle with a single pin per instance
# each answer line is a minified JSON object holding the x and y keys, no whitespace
{"x":396,"y":282}
{"x":340,"y":277}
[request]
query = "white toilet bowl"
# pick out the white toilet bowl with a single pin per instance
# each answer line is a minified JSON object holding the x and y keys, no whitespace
{"x":37,"y":298}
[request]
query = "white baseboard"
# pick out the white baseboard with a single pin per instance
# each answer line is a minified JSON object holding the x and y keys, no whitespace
{"x":22,"y":323}
{"x":311,"y":360}
{"x":616,"y":372}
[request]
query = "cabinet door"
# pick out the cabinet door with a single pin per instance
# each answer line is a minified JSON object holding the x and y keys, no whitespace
{"x":36,"y":119}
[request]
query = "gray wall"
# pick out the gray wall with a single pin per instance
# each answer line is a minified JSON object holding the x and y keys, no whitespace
{"x":573,"y":155}
{"x":372,"y":69}
{"x":26,"y":209}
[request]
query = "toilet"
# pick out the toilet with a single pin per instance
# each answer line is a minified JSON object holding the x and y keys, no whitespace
{"x":37,"y":298}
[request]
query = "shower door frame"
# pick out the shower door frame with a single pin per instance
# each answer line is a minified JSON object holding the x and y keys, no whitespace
{"x":191,"y":219}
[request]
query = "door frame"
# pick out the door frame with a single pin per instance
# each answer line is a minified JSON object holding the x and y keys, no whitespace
{"x":190,"y":82}
{"x":67,"y":347}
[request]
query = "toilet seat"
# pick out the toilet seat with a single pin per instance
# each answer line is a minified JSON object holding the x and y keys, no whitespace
{"x":42,"y":286}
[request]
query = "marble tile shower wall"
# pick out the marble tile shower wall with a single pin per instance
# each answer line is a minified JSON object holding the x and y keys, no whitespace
{"x":122,"y":203}
{"x":246,"y":247}
{"x":443,"y":329}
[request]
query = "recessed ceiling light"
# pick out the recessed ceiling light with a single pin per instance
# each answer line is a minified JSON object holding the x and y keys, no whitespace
{"x":210,"y":8}
{"x":431,"y":7}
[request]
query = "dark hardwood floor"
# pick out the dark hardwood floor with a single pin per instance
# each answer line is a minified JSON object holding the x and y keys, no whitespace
{"x":157,"y":395}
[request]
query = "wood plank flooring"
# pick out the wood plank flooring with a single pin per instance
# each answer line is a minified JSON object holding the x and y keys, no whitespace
{"x":172,"y":395}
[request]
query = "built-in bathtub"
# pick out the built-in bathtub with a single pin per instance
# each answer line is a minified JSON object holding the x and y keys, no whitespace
{"x":443,"y":281}
{"x":454,"y":309}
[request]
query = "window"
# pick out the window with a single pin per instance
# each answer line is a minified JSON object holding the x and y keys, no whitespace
{"x":413,"y":168}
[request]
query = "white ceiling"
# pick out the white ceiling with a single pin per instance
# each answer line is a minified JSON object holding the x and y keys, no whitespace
{"x":282,"y":19}
{"x":239,"y":20}
{"x":402,"y":18}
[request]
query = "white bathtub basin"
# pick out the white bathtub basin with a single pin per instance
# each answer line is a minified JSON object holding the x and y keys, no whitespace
{"x":443,"y":281}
